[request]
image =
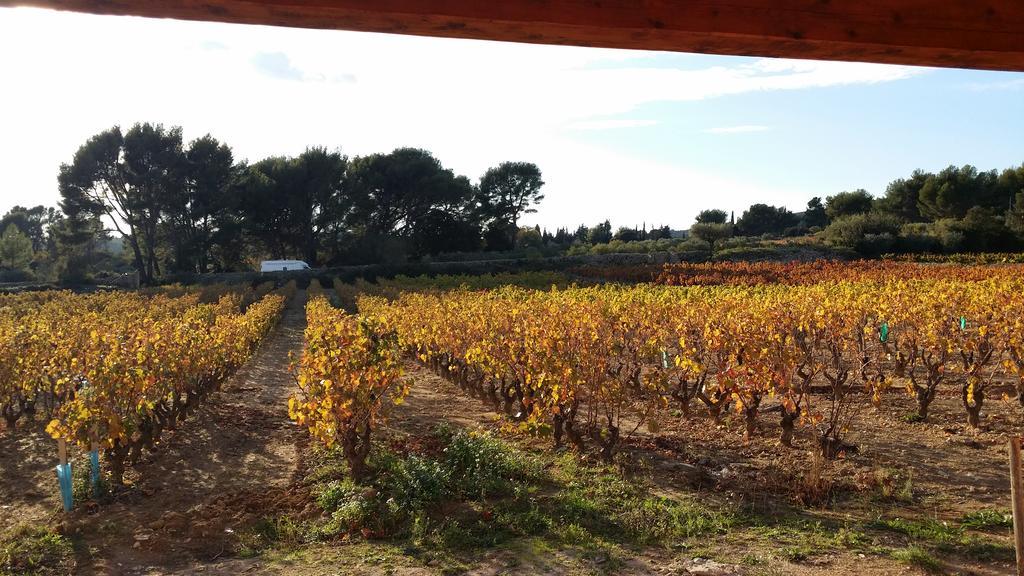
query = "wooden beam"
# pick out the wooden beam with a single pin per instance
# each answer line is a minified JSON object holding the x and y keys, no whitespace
{"x":952,"y":33}
{"x":1017,"y":501}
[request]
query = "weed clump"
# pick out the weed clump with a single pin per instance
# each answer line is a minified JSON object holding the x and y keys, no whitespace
{"x":35,"y":550}
{"x":987,"y":519}
{"x":919,"y":557}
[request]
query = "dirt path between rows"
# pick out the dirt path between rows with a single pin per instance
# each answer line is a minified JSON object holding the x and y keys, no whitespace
{"x":227,"y":464}
{"x":433,"y":400}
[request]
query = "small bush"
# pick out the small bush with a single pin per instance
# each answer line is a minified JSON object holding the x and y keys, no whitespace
{"x":575,"y":507}
{"x":413,"y":483}
{"x":357,"y":513}
{"x":454,"y":536}
{"x":912,"y":418}
{"x":337,"y":493}
{"x":405,"y":492}
{"x":353,"y":508}
{"x":526,"y":521}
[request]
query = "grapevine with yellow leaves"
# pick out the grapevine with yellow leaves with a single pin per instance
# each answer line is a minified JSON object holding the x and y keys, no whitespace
{"x":585,"y":360}
{"x":116,"y":369}
{"x":348,"y":376}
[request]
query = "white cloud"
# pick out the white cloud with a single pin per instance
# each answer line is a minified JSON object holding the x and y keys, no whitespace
{"x":610,"y":124}
{"x":1015,"y":84}
{"x":276,"y":65}
{"x":737,"y":129}
{"x":272,"y":91}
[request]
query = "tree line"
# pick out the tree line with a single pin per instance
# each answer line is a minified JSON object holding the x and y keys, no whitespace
{"x":956,"y":209}
{"x":191,"y":207}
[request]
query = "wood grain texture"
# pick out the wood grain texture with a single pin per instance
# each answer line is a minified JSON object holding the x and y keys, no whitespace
{"x":985,"y":34}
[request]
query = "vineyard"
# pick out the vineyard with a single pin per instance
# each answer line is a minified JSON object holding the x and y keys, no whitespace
{"x":757,"y":273}
{"x":797,"y":351}
{"x":810,"y":417}
{"x":111,"y":371}
{"x":585,"y":361}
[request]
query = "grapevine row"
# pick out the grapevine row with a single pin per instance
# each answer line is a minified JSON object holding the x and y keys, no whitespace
{"x":794,"y":273}
{"x":585,"y":361}
{"x":114,"y":370}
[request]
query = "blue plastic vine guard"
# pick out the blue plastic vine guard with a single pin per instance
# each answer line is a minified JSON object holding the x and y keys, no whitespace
{"x":64,"y":480}
{"x":94,"y":466}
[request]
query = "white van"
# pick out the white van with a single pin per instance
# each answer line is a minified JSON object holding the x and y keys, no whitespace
{"x":283,"y":265}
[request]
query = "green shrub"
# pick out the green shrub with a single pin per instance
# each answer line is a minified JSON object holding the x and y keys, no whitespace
{"x":482,"y":466}
{"x":524,"y":521}
{"x":413,"y":483}
{"x":871,"y":234}
{"x":576,"y":535}
{"x":337,"y":493}
{"x":357,"y":513}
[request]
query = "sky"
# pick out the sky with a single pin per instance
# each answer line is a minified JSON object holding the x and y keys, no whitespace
{"x":631,"y":136}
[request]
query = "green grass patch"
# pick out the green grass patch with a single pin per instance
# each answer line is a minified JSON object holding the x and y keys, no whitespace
{"x":797,"y":553}
{"x":927,"y":530}
{"x":918,"y":557}
{"x":912,"y":418}
{"x":461,"y":494}
{"x":985,"y":551}
{"x":272,"y":532}
{"x":798,"y":539}
{"x":34,"y":550}
{"x":945,"y":538}
{"x":647,"y":520}
{"x":987,"y":519}
{"x":474,"y":491}
{"x":483,"y":466}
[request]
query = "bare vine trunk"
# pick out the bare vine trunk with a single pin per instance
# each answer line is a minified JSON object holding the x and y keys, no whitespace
{"x":972,"y":403}
{"x":788,"y":423}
